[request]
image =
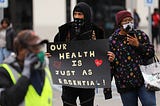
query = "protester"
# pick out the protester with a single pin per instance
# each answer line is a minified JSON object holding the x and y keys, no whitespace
{"x":24,"y":77}
{"x":155,"y":26}
{"x":136,"y":19}
{"x":81,"y":28}
{"x":7,"y":35}
{"x":131,"y":48}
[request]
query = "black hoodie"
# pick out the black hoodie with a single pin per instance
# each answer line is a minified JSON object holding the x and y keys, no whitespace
{"x":67,"y":30}
{"x":86,"y":10}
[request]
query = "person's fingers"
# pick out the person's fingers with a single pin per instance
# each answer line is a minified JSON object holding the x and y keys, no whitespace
{"x":48,"y":54}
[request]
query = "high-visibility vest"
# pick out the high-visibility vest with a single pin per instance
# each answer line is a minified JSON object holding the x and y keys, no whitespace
{"x":32,"y":98}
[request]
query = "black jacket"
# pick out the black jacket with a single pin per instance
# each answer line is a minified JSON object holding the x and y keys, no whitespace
{"x":66,"y":31}
{"x":10,"y":35}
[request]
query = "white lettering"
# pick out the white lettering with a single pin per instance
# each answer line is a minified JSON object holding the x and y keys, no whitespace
{"x":73,"y":55}
{"x":58,"y":47}
{"x":76,"y":82}
{"x":76,"y":63}
{"x":88,"y":72}
{"x":65,"y":73}
{"x":61,"y":56}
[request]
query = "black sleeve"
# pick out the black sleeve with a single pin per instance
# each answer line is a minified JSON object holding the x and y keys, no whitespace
{"x":107,"y":93}
{"x":13,"y":35}
{"x":12,"y":94}
{"x":57,"y":37}
{"x":100,"y":33}
{"x":10,"y":35}
{"x":145,"y":49}
{"x":62,"y":32}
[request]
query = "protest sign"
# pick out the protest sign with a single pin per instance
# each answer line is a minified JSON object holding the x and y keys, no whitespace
{"x":82,"y":64}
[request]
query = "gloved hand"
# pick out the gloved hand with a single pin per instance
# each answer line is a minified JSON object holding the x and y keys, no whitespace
{"x":29,"y":62}
{"x":107,"y":93}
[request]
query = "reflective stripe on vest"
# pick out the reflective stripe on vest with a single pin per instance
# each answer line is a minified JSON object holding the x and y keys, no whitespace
{"x":32,"y":98}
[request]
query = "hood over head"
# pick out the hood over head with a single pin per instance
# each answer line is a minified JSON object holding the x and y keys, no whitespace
{"x":85,"y":9}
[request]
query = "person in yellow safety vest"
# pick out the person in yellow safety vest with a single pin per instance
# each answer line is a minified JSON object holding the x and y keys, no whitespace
{"x":25,"y":79}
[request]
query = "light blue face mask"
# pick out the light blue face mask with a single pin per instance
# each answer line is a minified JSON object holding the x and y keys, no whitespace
{"x":41,"y":56}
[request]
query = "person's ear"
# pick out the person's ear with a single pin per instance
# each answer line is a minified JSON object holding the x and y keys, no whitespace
{"x":21,"y":54}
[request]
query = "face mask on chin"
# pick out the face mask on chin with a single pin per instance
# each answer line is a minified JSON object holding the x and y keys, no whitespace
{"x":128,"y":27}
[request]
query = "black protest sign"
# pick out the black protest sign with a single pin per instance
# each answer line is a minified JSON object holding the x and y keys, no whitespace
{"x":82,"y":64}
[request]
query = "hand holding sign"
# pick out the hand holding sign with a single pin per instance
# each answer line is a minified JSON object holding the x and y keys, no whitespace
{"x":80,"y":64}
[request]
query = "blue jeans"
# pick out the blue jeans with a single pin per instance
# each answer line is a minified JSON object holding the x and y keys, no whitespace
{"x":4,"y":53}
{"x":147,"y":98}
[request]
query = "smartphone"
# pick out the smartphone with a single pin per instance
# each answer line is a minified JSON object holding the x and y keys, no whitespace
{"x":132,"y":33}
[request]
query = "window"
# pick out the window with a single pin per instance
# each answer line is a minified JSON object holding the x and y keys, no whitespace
{"x":19,"y":13}
{"x":104,"y":12}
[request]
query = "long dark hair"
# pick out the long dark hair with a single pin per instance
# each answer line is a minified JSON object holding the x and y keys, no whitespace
{"x":5,"y":20}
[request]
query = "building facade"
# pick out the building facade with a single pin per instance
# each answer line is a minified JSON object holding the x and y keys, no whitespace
{"x":44,"y":16}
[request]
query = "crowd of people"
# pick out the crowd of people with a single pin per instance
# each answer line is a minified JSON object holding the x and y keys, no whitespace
{"x":25,"y":78}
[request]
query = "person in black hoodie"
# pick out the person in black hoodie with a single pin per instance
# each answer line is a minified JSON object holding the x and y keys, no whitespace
{"x":81,"y":28}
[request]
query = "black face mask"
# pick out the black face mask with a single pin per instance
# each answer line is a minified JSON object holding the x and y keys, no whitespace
{"x":78,"y":23}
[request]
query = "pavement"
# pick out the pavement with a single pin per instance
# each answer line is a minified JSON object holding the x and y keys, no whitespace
{"x":99,"y":97}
